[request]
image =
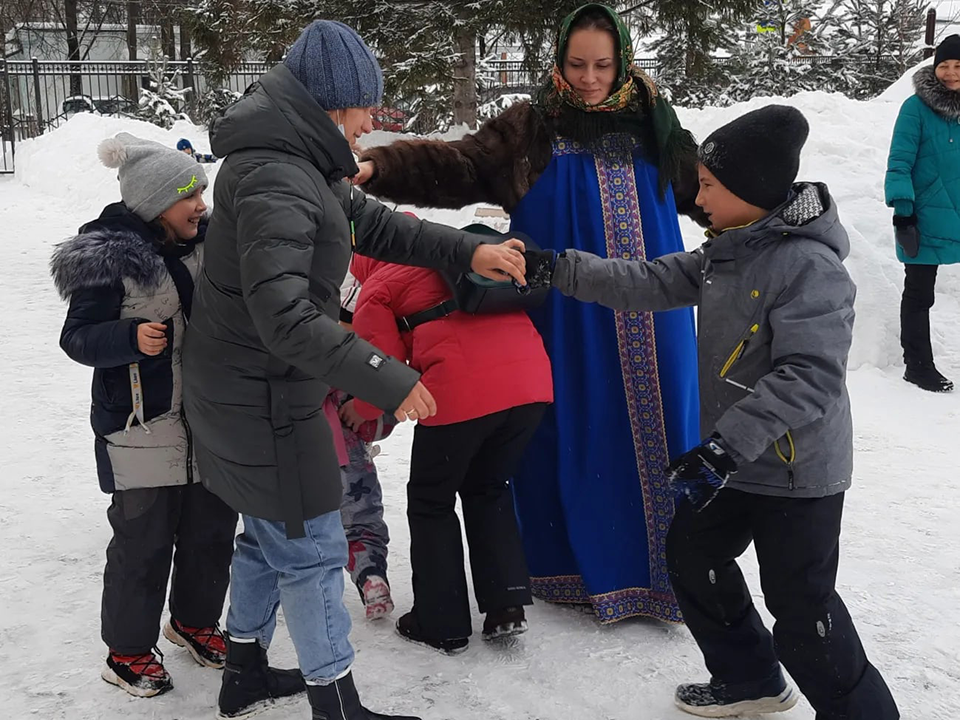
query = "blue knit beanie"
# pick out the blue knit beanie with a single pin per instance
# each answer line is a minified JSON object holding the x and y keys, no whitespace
{"x":335,"y":66}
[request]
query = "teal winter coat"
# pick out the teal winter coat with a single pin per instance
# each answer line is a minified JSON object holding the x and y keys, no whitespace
{"x":923,"y":170}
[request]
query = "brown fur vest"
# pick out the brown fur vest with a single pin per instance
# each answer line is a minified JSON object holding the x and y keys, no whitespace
{"x":498,"y":164}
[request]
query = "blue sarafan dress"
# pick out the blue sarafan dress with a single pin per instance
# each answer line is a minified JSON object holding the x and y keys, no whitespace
{"x":592,"y":497}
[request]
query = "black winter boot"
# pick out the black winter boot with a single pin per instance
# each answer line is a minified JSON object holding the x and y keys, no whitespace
{"x":339,"y":701}
{"x":926,"y":377}
{"x":504,"y":623}
{"x":409,"y":629}
{"x":249,"y":685}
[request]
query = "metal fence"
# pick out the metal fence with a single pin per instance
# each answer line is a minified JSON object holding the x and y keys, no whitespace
{"x":40,"y":95}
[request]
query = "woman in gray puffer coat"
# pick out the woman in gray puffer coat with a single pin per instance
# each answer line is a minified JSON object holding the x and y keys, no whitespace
{"x":265,"y":346}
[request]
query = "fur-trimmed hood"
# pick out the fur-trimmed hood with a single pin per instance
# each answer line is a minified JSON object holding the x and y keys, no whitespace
{"x":102,"y":258}
{"x":935,"y":96}
{"x":115,"y":246}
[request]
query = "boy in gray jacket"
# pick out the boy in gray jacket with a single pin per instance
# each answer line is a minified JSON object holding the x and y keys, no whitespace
{"x":775,"y":327}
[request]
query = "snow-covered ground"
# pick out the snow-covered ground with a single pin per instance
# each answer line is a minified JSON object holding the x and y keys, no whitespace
{"x":900,"y":573}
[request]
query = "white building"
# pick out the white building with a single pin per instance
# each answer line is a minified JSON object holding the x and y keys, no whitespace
{"x":948,"y":18}
{"x":103,"y":43}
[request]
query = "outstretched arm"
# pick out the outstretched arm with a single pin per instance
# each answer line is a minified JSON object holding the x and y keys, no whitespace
{"x":481,"y":167}
{"x":669,"y":282}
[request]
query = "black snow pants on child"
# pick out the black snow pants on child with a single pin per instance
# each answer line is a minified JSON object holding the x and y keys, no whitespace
{"x":152,"y":526}
{"x":476,"y":460}
{"x":798,"y":546}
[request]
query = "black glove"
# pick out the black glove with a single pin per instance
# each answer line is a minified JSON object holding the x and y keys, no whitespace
{"x":701,"y":473}
{"x":540,"y":265}
{"x":907,"y":234}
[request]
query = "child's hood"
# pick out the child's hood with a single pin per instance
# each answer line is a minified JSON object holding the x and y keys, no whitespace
{"x":809,"y":213}
{"x":116,"y":245}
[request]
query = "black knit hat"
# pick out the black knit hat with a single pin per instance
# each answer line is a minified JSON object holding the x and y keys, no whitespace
{"x":757,"y":156}
{"x":949,"y":49}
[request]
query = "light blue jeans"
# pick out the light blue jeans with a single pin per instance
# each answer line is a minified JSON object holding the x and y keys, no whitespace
{"x":305,"y":576}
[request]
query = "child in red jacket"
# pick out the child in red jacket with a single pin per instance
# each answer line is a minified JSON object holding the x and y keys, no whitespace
{"x":491,"y":378}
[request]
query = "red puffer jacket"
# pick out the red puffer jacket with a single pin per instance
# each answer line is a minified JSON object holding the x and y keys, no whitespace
{"x":474,"y":365}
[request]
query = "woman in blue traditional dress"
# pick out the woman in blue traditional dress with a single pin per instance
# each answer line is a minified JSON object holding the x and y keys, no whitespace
{"x":598,"y":162}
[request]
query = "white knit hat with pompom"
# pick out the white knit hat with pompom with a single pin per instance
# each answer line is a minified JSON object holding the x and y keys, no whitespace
{"x":152,"y":176}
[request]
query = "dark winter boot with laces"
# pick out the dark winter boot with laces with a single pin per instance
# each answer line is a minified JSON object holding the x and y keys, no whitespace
{"x":720,"y":700}
{"x":339,"y":701}
{"x":504,"y":623}
{"x":140,"y":675}
{"x":250,"y":685}
{"x":206,"y":645}
{"x":926,"y":377}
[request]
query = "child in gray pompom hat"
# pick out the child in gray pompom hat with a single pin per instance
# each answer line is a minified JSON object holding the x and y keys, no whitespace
{"x":152,"y":176}
{"x":129,"y":278}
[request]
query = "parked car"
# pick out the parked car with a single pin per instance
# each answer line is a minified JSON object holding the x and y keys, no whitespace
{"x":112,"y":105}
{"x":116,"y":105}
{"x":77,"y":104}
{"x":390,"y":119}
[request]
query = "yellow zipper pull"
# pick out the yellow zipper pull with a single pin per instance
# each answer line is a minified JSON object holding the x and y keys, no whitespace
{"x":788,"y":460}
{"x":738,"y":351}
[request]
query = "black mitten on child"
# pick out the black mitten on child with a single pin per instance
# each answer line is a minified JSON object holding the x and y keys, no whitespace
{"x":540,"y":266}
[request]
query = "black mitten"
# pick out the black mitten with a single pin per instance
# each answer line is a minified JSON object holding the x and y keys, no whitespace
{"x":540,"y":265}
{"x":702,"y":472}
{"x":907,"y":234}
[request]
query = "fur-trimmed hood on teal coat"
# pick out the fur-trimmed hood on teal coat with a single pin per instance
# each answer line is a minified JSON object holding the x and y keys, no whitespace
{"x":923,"y":171}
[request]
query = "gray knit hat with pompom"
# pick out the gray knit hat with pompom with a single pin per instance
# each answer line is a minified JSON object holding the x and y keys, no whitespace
{"x":152,"y":176}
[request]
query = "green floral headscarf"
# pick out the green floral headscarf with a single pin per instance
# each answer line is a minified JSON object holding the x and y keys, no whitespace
{"x":634,"y":100}
{"x":628,"y":76}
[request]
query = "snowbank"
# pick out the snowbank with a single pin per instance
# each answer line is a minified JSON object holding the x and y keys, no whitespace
{"x":902,"y":88}
{"x":847,"y":150}
{"x":63,"y":163}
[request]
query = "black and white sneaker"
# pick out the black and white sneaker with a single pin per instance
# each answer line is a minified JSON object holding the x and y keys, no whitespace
{"x":504,"y":623}
{"x":206,"y":645}
{"x":718,"y":700}
{"x":409,"y":629}
{"x":140,"y":675}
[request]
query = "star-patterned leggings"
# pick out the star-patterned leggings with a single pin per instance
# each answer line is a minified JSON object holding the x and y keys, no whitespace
{"x":362,"y":512}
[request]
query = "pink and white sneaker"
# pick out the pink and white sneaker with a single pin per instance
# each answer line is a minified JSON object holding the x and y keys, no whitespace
{"x":376,"y":597}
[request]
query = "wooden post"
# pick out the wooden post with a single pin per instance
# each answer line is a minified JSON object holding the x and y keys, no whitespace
{"x":931,"y":34}
{"x":190,"y":82}
{"x":132,"y":90}
{"x":168,"y":40}
{"x":37,"y":96}
{"x":71,"y":21}
{"x":6,"y":115}
{"x":465,"y":80}
{"x":186,"y":52}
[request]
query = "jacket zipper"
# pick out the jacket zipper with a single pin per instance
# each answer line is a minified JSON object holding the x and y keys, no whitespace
{"x":789,"y":458}
{"x":738,"y":351}
{"x":183,"y":417}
